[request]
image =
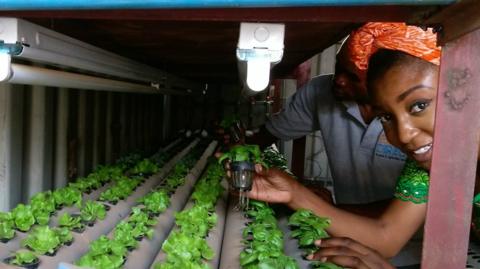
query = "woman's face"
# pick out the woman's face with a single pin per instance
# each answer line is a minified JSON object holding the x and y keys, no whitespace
{"x":404,"y":99}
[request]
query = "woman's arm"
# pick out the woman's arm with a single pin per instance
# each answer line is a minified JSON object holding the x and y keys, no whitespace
{"x":387,"y":233}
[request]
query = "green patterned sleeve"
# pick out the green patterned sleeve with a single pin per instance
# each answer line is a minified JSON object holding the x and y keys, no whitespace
{"x":413,"y":183}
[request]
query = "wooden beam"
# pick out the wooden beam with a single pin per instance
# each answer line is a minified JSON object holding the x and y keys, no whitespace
{"x":456,"y":20}
{"x":356,"y":14}
{"x":454,"y":156}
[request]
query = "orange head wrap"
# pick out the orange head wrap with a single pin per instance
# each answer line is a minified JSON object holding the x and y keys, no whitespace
{"x":373,"y":36}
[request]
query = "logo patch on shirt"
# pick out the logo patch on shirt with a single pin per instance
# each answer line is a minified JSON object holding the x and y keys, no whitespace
{"x":386,"y":150}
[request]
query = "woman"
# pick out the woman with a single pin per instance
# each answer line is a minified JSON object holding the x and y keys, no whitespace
{"x":403,"y":90}
{"x":402,"y":79}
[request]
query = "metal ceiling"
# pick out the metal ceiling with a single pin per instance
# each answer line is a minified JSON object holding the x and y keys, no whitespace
{"x":199,"y":44}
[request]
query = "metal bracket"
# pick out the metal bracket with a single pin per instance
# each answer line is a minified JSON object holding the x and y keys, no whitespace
{"x":11,"y":48}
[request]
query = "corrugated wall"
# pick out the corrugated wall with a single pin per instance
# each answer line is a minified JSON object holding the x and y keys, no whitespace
{"x":49,"y":135}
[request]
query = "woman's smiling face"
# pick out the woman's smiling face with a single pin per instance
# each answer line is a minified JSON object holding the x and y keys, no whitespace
{"x":404,"y":98}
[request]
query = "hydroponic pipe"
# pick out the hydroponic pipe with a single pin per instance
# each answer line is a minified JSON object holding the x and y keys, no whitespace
{"x":14,"y":244}
{"x":215,"y":236}
{"x":94,"y":195}
{"x":135,"y":4}
{"x":171,"y":145}
{"x":32,"y":75}
{"x":7,"y":248}
{"x":147,"y":250}
{"x":159,"y":255}
{"x":116,"y":213}
{"x":290,"y":244}
{"x":232,"y":239}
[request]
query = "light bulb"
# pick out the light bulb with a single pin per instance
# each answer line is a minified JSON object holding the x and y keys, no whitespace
{"x":258,"y":74}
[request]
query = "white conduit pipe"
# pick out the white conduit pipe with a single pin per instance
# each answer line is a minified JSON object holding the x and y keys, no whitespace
{"x":33,"y":75}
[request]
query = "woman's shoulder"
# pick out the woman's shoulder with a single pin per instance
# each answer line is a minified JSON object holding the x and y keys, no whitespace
{"x":413,"y":183}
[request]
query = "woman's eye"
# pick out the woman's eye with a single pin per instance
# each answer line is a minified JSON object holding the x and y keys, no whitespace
{"x":419,"y":106}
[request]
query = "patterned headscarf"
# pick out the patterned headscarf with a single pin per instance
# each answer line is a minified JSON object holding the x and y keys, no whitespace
{"x":372,"y":36}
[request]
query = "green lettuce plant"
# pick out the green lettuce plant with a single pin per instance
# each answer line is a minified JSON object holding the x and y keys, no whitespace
{"x":43,"y":205}
{"x":42,"y":240}
{"x":308,"y":227}
{"x":91,"y":211}
{"x":144,"y":167}
{"x":187,"y":247}
{"x":70,"y":222}
{"x":156,"y":202}
{"x":244,"y":153}
{"x":68,"y":196}
{"x":104,"y":254}
{"x":264,"y":240}
{"x":7,"y":225}
{"x":22,"y":258}
{"x":64,"y":235}
{"x":140,"y":217}
{"x":23,"y":217}
{"x":124,"y":234}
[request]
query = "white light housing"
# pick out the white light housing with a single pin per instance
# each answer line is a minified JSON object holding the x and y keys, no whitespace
{"x":5,"y":71}
{"x":260,"y":46}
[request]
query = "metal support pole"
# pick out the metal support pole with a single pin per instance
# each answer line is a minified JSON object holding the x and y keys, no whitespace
{"x":123,"y":124}
{"x":11,"y":145}
{"x":455,"y":155}
{"x":81,"y":132}
{"x":99,"y":114}
{"x":60,"y":176}
{"x":108,"y":129}
{"x":37,"y":170}
{"x":166,"y":117}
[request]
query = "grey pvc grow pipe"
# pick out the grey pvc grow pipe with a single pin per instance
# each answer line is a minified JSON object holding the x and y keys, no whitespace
{"x":171,"y":145}
{"x":159,"y":255}
{"x":290,"y":245}
{"x":144,"y":255}
{"x":232,"y":240}
{"x":178,"y":200}
{"x":116,"y":213}
{"x":215,"y":236}
{"x":7,"y":248}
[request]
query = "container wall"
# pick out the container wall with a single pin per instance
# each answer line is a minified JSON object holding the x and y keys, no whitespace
{"x":49,"y":136}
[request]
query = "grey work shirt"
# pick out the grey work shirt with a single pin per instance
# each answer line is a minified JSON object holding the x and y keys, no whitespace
{"x":363,"y":164}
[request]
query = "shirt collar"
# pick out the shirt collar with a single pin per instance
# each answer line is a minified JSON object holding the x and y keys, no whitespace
{"x":352,"y":108}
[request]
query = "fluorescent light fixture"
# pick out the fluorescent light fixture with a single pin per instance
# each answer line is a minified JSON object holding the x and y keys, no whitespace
{"x":260,"y":46}
{"x":33,"y":75}
{"x":42,"y":46}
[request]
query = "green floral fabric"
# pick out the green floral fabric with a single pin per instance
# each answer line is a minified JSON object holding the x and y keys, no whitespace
{"x":413,"y":183}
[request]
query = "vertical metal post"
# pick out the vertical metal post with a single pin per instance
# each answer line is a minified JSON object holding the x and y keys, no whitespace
{"x":123,"y":130}
{"x":38,"y":155}
{"x":166,"y":117}
{"x":60,"y":176}
{"x":455,"y":154}
{"x":99,"y":119}
{"x":81,"y":132}
{"x":11,"y":145}
{"x":108,"y":129}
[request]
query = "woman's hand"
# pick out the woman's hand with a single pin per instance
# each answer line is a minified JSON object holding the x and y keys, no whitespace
{"x":349,"y":253}
{"x":273,"y":185}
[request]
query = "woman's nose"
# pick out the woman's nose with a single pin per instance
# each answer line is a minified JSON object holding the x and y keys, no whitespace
{"x":406,"y":131}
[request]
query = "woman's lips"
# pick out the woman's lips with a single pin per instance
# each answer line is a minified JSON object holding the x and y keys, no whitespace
{"x":423,"y":153}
